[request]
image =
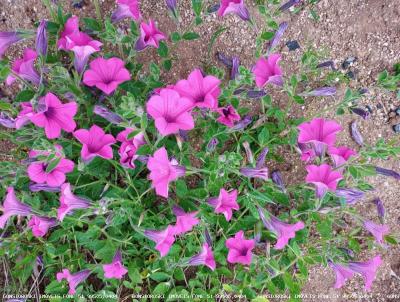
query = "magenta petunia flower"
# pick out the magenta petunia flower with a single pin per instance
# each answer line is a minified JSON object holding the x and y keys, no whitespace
{"x":7,"y":39}
{"x":184,"y":221}
{"x":343,"y":273}
{"x":228,"y":115}
{"x":95,"y":143}
{"x":284,"y":231}
{"x":25,"y":68}
{"x":163,"y":239}
{"x":205,"y":257}
{"x":323,"y":177}
{"x":170,"y":111}
{"x":150,"y":35}
{"x":37,"y":172}
{"x":128,"y":148}
{"x":106,"y":74}
{"x":12,"y":207}
{"x":69,"y":202}
{"x":126,"y":9}
{"x":163,"y":171}
{"x":41,"y":225}
{"x":79,"y":42}
{"x":267,"y":70}
{"x":340,"y":155}
{"x":319,"y":133}
{"x":24,"y":116}
{"x":202,"y":91}
{"x":116,"y":268}
{"x":240,"y":249}
{"x":234,"y":6}
{"x":367,"y":270}
{"x":377,"y":230}
{"x":225,"y":203}
{"x":73,"y":279}
{"x":52,"y":115}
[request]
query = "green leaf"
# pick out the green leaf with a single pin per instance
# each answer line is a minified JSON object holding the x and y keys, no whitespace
{"x":134,"y":273}
{"x":190,"y":36}
{"x":175,"y":37}
{"x":5,"y":106}
{"x":167,"y":64}
{"x":161,"y":288}
{"x":24,"y":96}
{"x":92,"y":24}
{"x":197,"y":6}
{"x":53,"y":164}
{"x":181,"y":188}
{"x":267,"y":35}
{"x":163,"y":50}
{"x":159,"y":276}
{"x":298,"y":99}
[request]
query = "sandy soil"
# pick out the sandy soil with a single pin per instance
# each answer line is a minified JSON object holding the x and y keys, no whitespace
{"x":366,"y":29}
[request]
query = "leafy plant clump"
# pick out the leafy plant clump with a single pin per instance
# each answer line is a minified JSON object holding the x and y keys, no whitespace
{"x":122,"y":185}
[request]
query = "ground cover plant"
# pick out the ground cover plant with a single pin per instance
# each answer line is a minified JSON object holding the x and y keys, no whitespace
{"x":126,"y":185}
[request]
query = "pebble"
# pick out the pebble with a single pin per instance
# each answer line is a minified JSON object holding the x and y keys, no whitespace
{"x":348,"y":62}
{"x":292,"y":45}
{"x":396,"y":128}
{"x":351,"y":75}
{"x":398,"y":111}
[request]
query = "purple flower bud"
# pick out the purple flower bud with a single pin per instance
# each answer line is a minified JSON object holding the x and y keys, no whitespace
{"x":235,"y":68}
{"x":255,"y":94}
{"x":349,"y":252}
{"x":7,"y":39}
{"x":261,"y":158}
{"x":224,"y":59}
{"x":171,"y":5}
{"x":350,"y":195}
{"x":387,"y":172}
{"x":276,"y":177}
{"x":355,"y":134}
{"x":7,"y":121}
{"x":361,"y":112}
{"x":255,"y":173}
{"x":278,"y":35}
{"x":241,"y":125}
{"x":379,"y":207}
{"x":110,"y":116}
{"x":208,"y":237}
{"x":330,"y":64}
{"x":289,"y":4}
{"x":212,"y":144}
{"x":43,"y":187}
{"x":323,"y":91}
{"x":41,"y":38}
{"x":184,"y":134}
{"x":249,"y":154}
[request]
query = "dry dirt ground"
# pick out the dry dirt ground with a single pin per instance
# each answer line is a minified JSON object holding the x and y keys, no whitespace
{"x":366,"y":29}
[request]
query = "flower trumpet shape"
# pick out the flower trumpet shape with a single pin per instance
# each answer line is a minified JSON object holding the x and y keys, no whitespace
{"x":163,"y":239}
{"x":7,"y":39}
{"x":12,"y":207}
{"x":126,"y":9}
{"x":234,"y":7}
{"x":267,"y":70}
{"x":377,"y":230}
{"x":323,"y":177}
{"x":73,"y":279}
{"x":150,"y":36}
{"x":115,"y":269}
{"x":240,"y":249}
{"x":205,"y":257}
{"x":184,"y":221}
{"x":25,"y":68}
{"x":41,"y":225}
{"x":225,"y":203}
{"x":69,"y":202}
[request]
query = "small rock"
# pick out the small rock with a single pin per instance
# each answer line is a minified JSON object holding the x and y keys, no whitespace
{"x":292,"y":45}
{"x":348,"y":62}
{"x":396,"y":128}
{"x":351,"y":75}
{"x":398,"y":111}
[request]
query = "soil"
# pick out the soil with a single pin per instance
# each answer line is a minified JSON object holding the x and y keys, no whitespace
{"x":366,"y":29}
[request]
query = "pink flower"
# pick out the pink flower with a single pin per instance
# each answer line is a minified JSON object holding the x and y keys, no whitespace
{"x":377,"y":230}
{"x":225,"y":203}
{"x":163,"y":171}
{"x":7,"y":39}
{"x":283,"y":231}
{"x":128,"y":148}
{"x":24,"y":116}
{"x":340,"y":155}
{"x":170,"y":112}
{"x":95,"y":143}
{"x":41,"y":225}
{"x":12,"y":207}
{"x":343,"y":273}
{"x":149,"y":36}
{"x":73,"y":279}
{"x":205,"y":257}
{"x":163,"y":239}
{"x":240,"y":249}
{"x":25,"y":68}
{"x":184,"y":221}
{"x":202,"y":91}
{"x":319,"y":133}
{"x":323,"y":177}
{"x":228,"y":115}
{"x":79,"y":42}
{"x":234,"y":6}
{"x":126,"y":9}
{"x":267,"y":70}
{"x":106,"y":74}
{"x":37,"y":172}
{"x":69,"y":202}
{"x":115,"y":269}
{"x":53,"y":116}
{"x":367,"y":270}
